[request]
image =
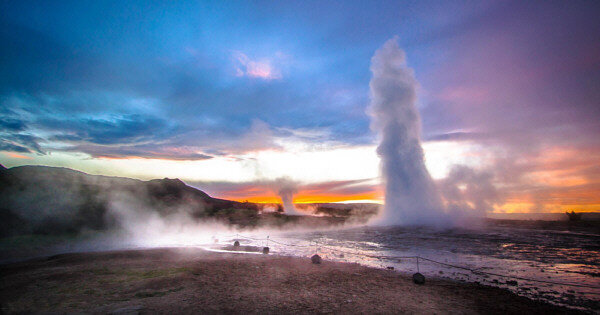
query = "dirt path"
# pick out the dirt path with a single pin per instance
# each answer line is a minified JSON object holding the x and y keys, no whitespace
{"x":185,"y":280}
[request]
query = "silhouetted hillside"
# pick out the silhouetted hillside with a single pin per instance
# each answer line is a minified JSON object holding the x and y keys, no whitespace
{"x":52,"y":200}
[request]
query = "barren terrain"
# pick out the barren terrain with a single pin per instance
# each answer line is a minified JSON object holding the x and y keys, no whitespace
{"x":191,"y":280}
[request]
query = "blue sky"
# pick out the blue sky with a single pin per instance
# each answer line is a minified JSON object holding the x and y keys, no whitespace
{"x":88,"y":84}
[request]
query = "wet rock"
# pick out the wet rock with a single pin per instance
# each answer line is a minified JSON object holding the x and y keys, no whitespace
{"x":512,"y":282}
{"x":418,"y":278}
{"x":390,"y":268}
{"x":316,"y":259}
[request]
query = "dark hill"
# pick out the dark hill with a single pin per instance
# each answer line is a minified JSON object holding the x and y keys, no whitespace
{"x":53,"y":200}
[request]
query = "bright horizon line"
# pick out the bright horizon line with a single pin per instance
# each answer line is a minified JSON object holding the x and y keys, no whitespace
{"x":276,"y":200}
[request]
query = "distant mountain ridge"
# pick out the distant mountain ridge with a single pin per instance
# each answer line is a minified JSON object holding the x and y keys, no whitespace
{"x":55,"y":200}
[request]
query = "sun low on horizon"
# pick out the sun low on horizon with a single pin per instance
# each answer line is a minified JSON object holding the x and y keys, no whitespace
{"x":239,"y":99}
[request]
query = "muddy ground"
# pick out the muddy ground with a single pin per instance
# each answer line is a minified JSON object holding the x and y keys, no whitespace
{"x":190,"y":280}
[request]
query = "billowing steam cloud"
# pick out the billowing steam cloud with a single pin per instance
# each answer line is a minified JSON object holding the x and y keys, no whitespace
{"x":411,"y":196}
{"x":137,"y":224}
{"x":468,"y":190}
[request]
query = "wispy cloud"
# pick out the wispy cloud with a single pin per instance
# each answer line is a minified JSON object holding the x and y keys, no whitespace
{"x":263,"y":69}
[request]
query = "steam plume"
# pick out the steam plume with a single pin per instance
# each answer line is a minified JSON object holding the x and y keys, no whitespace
{"x":286,"y":188}
{"x":411,"y":196}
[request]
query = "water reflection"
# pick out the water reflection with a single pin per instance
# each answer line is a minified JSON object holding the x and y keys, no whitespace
{"x":547,"y":255}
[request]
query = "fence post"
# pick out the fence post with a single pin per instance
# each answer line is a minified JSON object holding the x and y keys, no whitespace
{"x":418,"y":264}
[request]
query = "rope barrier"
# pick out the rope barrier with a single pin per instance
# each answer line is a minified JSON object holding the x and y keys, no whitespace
{"x":473,"y":270}
{"x":284,"y":244}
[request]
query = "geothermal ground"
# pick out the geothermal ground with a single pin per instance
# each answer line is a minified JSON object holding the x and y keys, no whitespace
{"x":191,"y":280}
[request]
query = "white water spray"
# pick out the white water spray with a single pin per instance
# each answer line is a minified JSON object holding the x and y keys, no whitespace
{"x":411,"y":196}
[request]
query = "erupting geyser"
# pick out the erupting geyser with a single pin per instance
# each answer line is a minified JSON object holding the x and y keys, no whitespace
{"x":411,"y":196}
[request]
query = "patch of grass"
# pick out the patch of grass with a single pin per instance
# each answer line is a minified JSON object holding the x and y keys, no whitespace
{"x":149,"y":274}
{"x":147,"y":294}
{"x":108,"y":276}
{"x":101,"y":271}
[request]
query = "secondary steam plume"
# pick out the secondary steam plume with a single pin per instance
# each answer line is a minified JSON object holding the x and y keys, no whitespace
{"x":286,"y":188}
{"x":411,"y":196}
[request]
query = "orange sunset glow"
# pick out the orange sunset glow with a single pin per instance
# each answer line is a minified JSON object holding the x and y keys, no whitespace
{"x":302,"y":198}
{"x":18,"y":156}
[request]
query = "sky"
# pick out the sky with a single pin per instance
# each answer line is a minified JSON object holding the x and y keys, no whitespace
{"x":235,"y":98}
